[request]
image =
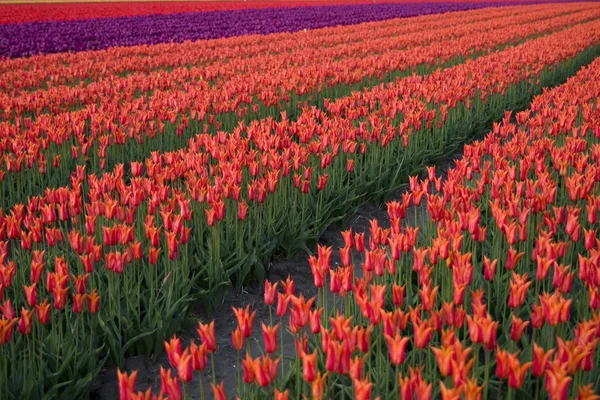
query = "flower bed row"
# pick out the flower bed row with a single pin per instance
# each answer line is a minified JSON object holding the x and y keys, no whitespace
{"x":125,"y":119}
{"x":108,"y":266}
{"x":68,"y":68}
{"x":20,"y":13}
{"x":492,"y":292}
{"x":20,"y":40}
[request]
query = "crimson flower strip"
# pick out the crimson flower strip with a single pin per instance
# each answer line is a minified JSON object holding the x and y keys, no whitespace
{"x":20,"y":13}
{"x":19,"y":40}
{"x":136,"y":250}
{"x":116,"y":124}
{"x":492,"y":287}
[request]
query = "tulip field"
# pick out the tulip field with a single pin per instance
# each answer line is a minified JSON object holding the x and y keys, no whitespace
{"x":156,"y":157}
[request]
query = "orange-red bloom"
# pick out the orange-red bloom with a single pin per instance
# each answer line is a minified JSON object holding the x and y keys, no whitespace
{"x":397,"y":348}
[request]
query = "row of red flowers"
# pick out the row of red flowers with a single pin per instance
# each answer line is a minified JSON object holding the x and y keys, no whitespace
{"x":21,"y":13}
{"x":185,"y":224}
{"x":493,"y":289}
{"x":118,"y":119}
{"x":67,"y":68}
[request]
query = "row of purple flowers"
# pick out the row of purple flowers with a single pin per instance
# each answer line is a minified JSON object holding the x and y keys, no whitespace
{"x":19,"y":40}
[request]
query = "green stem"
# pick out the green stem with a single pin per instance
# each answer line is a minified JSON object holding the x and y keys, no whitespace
{"x":486,"y":374}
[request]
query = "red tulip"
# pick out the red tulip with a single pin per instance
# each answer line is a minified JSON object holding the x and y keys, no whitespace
{"x":397,"y":347}
{"x":270,"y":338}
{"x":126,"y":384}
{"x":237,"y":339}
{"x":207,"y":334}
{"x":517,"y":328}
{"x":198,"y":354}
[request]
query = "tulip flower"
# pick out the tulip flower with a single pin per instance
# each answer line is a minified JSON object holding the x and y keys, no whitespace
{"x":557,"y":383}
{"x":444,"y":359}
{"x":518,"y":290}
{"x":184,"y":366}
{"x":245,"y":320}
{"x":31,"y":294}
{"x":173,"y":350}
{"x":24,"y":326}
{"x":93,"y":302}
{"x":248,"y":368}
{"x":450,"y":394}
{"x":587,"y":393}
{"x":362,"y":389}
{"x":517,"y":328}
{"x":270,"y":292}
{"x":126,"y":384}
{"x":516,"y":374}
{"x":207,"y":334}
{"x":309,"y":366}
{"x":43,"y":312}
{"x":219,"y":391}
{"x":198,"y":354}
{"x":397,"y":348}
{"x":237,"y":339}
{"x":317,"y":386}
{"x":281,"y":395}
{"x":270,"y":338}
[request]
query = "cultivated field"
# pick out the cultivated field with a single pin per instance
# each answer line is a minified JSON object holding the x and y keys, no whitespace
{"x":321,"y":200}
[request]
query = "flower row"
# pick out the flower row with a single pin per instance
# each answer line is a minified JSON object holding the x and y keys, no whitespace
{"x":183,"y":226}
{"x":124,"y":119}
{"x":66,"y":68}
{"x":20,"y":40}
{"x":20,"y":13}
{"x":491,"y":289}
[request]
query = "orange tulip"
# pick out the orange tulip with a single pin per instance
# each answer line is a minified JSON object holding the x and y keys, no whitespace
{"x":198,"y":356}
{"x":309,"y":366}
{"x":126,"y":384}
{"x":245,"y":320}
{"x":516,"y":373}
{"x":557,"y":383}
{"x":31,"y":295}
{"x":422,"y":335}
{"x":587,"y":393}
{"x":270,"y":338}
{"x":473,"y":391}
{"x":184,"y":366}
{"x":237,"y":339}
{"x":397,"y":348}
{"x":283,"y":301}
{"x":450,"y":394}
{"x":270,"y":292}
{"x":93,"y":302}
{"x":219,"y":391}
{"x":357,"y":365}
{"x":317,"y":386}
{"x":170,"y":385}
{"x":362,"y":389}
{"x":248,"y":368}
{"x":444,"y":359}
{"x":281,"y":395}
{"x":518,"y":290}
{"x":207,"y":334}
{"x":517,"y":328}
{"x":540,"y":360}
